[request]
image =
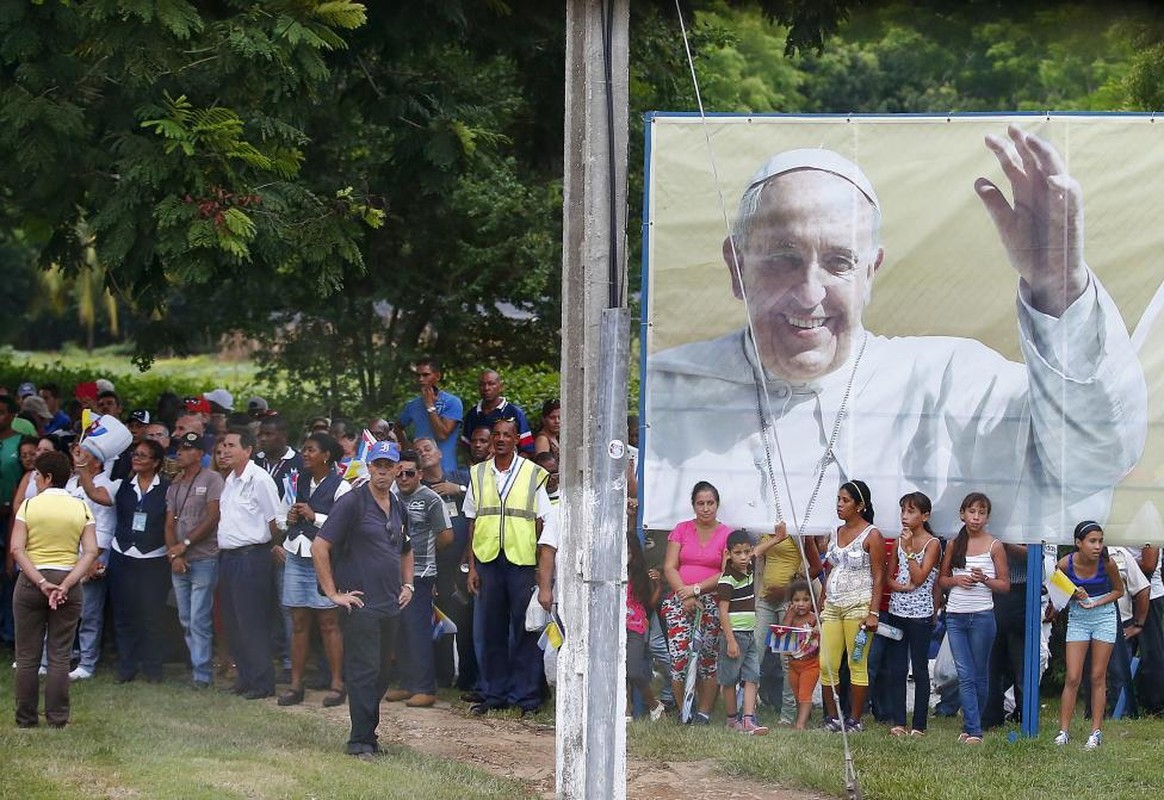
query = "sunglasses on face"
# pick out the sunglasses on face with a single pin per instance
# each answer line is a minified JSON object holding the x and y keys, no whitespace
{"x":408,"y":473}
{"x":136,"y":454}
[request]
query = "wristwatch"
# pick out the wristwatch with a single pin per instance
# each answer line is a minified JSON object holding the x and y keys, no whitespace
{"x":695,"y":589}
{"x":410,"y":587}
{"x":186,"y":541}
{"x":431,"y":409}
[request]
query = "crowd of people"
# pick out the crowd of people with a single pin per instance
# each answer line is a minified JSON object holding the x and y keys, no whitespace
{"x":331,"y":556}
{"x":857,"y":616}
{"x":323,"y":557}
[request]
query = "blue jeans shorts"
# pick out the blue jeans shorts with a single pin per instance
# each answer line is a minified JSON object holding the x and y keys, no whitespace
{"x":1085,"y":624}
{"x":744,"y":668}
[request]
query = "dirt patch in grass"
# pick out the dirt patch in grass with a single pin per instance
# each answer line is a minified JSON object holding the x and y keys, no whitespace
{"x":512,"y":748}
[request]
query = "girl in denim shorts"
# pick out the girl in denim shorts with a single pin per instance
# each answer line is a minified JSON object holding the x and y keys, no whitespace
{"x":1091,"y":623}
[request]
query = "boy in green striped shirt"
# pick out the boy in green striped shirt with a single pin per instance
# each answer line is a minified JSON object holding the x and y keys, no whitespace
{"x":740,"y":646}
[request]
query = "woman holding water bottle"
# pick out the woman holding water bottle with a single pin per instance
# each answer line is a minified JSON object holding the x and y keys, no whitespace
{"x":973,"y":568}
{"x":856,"y":564}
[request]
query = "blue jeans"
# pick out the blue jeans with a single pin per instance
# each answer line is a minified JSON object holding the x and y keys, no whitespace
{"x":971,"y":640}
{"x":418,"y":672}
{"x":661,"y":655}
{"x":194,"y":592}
{"x":93,"y":618}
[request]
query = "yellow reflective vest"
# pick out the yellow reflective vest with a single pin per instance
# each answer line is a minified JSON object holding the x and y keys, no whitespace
{"x":507,"y":523}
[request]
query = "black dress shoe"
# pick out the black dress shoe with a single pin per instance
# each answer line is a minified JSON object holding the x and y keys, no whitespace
{"x":291,"y":698}
{"x":473,"y":697}
{"x":480,"y":709}
{"x":257,"y":694}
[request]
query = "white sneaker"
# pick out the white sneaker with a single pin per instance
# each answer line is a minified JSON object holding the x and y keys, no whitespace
{"x":657,"y":712}
{"x":42,"y":671}
{"x":80,"y":674}
{"x":1062,"y":738}
{"x":1094,"y":740}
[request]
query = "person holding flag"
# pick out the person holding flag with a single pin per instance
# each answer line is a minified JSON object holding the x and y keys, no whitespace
{"x":1091,"y":624}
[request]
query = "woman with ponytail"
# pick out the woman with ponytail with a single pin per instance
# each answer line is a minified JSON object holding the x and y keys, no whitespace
{"x":856,"y":563}
{"x":911,"y":610}
{"x":973,"y":568}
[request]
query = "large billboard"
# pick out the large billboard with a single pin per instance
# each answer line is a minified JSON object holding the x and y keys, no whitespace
{"x":936,"y":304}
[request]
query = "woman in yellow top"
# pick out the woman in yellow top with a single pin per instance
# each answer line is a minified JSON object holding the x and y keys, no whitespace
{"x":46,"y":536}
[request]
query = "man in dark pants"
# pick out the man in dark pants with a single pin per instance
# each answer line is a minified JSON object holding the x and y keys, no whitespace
{"x":507,"y":505}
{"x":364,"y":550}
{"x":249,"y":547}
{"x":1008,"y":653}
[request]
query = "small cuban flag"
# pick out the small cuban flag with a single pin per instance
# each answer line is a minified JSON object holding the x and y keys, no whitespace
{"x":441,"y":624}
{"x":787,"y":639}
{"x":358,"y":466}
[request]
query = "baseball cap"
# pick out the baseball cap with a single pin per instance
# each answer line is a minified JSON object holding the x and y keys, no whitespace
{"x":221,"y":397}
{"x":25,"y":389}
{"x":197,"y":405}
{"x":104,"y":385}
{"x":86,"y":390}
{"x":257,"y":404}
{"x":813,"y":158}
{"x":33,"y":404}
{"x":140,"y":415}
{"x":384,"y":450}
{"x":190,"y":439}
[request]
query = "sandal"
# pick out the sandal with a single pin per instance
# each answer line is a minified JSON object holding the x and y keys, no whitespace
{"x":897,"y":730}
{"x":972,"y":740}
{"x":962,"y":737}
{"x":917,"y":733}
{"x":334,"y":698}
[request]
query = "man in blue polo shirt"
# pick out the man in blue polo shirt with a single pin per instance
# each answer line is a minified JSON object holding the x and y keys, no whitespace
{"x":434,"y":413}
{"x":494,"y":406}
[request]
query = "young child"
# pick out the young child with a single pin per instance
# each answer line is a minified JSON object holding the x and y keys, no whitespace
{"x":1091,"y":625}
{"x":739,"y":646}
{"x":804,"y":664}
{"x":643,"y":589}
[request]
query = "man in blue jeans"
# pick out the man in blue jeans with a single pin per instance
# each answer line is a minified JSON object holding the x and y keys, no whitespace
{"x":192,"y":546}
{"x":430,"y":528}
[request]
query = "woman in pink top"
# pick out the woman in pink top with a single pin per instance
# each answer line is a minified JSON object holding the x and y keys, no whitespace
{"x":693,"y":564}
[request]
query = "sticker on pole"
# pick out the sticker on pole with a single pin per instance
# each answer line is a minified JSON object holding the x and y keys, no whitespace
{"x":616,"y":449}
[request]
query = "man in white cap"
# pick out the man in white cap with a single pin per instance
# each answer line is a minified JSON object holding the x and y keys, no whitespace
{"x":779,"y":414}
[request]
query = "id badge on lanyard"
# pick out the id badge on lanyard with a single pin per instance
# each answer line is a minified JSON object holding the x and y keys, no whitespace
{"x":139,"y":521}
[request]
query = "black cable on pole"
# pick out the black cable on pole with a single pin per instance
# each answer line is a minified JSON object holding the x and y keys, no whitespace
{"x":613,"y":271}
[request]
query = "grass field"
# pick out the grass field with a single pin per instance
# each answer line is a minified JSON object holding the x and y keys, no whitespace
{"x":113,"y":361}
{"x":166,"y":741}
{"x":1128,"y":765}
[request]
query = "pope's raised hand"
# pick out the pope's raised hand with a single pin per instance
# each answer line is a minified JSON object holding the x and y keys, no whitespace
{"x":1042,"y":230}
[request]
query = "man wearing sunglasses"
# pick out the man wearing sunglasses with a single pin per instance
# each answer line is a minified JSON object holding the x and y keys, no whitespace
{"x":430,"y":528}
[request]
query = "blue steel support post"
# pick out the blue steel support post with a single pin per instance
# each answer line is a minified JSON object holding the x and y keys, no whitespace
{"x":1032,"y":640}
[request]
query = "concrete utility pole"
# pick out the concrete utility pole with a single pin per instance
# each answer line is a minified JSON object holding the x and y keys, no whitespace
{"x":591,"y":693}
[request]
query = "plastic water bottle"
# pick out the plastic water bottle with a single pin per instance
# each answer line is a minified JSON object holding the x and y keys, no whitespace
{"x":859,"y":644}
{"x":888,"y":631}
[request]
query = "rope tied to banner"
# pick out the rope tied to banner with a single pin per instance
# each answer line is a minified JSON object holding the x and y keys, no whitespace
{"x":852,"y":782}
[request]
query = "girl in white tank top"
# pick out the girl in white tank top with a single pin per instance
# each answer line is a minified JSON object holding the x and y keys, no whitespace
{"x":973,"y":568}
